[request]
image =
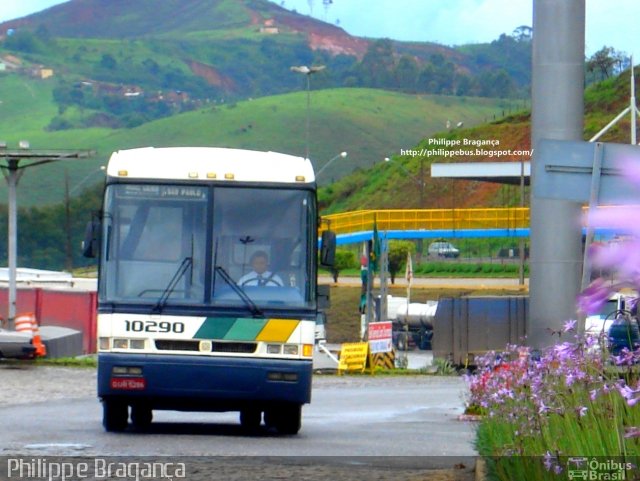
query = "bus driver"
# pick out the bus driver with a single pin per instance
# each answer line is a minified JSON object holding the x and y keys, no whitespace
{"x":260,"y":276}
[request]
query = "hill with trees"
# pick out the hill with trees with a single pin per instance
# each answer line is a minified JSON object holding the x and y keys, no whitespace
{"x":383,"y":185}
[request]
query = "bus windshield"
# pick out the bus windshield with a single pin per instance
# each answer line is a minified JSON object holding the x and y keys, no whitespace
{"x":171,"y":246}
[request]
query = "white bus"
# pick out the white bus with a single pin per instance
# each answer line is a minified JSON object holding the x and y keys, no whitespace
{"x":176,"y":329}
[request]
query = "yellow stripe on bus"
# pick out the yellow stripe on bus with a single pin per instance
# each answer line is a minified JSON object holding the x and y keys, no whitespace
{"x":277,"y":330}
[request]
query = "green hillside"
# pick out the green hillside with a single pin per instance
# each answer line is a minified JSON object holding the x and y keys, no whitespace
{"x":382,"y":185}
{"x":368,"y":124}
{"x":389,"y":186}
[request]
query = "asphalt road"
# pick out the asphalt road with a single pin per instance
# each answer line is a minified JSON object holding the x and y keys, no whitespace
{"x":408,"y":420}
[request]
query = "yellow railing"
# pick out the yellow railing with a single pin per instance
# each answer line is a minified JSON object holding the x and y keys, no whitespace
{"x":427,"y":219}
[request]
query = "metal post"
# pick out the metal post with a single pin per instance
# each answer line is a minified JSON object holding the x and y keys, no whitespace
{"x":369,"y":306}
{"x":632,"y":105}
{"x":593,"y":204}
{"x":521,"y":245}
{"x":557,"y":113}
{"x":384,"y":275}
{"x":12,"y":176}
{"x":422,"y":182}
{"x":306,"y":154}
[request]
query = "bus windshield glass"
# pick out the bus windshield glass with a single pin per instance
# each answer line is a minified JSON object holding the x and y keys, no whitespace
{"x":170,"y":246}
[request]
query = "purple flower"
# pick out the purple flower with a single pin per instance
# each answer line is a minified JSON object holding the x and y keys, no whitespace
{"x":594,"y":297}
{"x":564,"y":350}
{"x":549,"y":461}
{"x":626,"y":357}
{"x":543,"y":408}
{"x":569,"y":326}
{"x":632,"y":432}
{"x":629,"y":394}
{"x":582,"y":411}
{"x":619,"y":218}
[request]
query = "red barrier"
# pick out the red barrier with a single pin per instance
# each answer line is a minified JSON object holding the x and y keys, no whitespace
{"x":73,"y":309}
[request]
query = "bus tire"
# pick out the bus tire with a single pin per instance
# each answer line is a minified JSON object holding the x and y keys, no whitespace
{"x":114,"y":415}
{"x":286,"y":419}
{"x":141,"y":416}
{"x":250,"y":419}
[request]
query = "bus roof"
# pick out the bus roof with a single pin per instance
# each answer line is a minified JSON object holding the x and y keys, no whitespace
{"x":209,"y":163}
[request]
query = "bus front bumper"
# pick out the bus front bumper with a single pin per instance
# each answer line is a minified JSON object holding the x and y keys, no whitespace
{"x":203,"y":383}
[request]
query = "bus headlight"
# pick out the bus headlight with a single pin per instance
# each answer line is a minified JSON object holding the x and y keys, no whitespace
{"x":121,"y":343}
{"x":104,"y":344}
{"x":136,"y":343}
{"x":274,"y":348}
{"x":290,"y":349}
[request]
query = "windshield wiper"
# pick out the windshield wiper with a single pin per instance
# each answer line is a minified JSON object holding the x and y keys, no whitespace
{"x":255,"y":310}
{"x":186,"y":263}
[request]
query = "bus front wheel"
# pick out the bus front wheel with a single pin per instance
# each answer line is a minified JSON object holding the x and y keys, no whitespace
{"x":250,"y":419}
{"x":286,"y":419}
{"x":114,"y":415}
{"x":141,"y":416}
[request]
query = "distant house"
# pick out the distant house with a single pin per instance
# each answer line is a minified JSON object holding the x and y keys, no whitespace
{"x":44,"y":73}
{"x":11,"y":62}
{"x":3,"y":66}
{"x":269,"y":27}
{"x":41,"y":72}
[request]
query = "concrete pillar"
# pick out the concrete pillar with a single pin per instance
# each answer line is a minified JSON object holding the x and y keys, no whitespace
{"x":557,"y":113}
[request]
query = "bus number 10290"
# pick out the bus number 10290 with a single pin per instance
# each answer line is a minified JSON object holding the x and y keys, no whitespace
{"x":154,"y":326}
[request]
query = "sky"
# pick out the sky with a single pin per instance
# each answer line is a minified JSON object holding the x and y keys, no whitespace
{"x":449,"y":22}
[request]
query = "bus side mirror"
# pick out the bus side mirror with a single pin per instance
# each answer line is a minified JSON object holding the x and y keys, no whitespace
{"x":90,"y":244}
{"x":328,"y":249}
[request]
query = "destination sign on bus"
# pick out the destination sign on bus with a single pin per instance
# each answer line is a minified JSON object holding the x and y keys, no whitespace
{"x":169,"y":192}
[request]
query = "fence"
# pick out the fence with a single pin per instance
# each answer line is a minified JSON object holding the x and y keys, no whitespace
{"x":72,"y":309}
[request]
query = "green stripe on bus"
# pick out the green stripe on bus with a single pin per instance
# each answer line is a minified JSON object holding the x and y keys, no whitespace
{"x":245,"y":329}
{"x":215,"y":328}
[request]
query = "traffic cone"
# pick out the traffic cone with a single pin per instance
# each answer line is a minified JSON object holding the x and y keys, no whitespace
{"x":27,"y":323}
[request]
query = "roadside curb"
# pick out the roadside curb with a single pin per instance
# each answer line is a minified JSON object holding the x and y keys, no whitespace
{"x":481,"y":469}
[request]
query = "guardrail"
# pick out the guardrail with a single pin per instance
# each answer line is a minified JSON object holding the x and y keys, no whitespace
{"x":426,"y":219}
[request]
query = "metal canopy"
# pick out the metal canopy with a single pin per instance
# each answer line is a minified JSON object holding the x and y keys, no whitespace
{"x":13,"y":163}
{"x":566,"y":170}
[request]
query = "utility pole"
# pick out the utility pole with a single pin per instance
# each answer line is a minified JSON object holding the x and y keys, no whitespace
{"x":12,"y":169}
{"x":68,"y":251}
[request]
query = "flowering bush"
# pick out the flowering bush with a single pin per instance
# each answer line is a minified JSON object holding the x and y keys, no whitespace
{"x":571,"y":401}
{"x":574,"y":399}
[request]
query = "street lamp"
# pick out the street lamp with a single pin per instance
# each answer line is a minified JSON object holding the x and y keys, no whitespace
{"x":419,"y":181}
{"x":12,"y":170}
{"x":308,"y":71}
{"x":87,"y":177}
{"x":341,"y":154}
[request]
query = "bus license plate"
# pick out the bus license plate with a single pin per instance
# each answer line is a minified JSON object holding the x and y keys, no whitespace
{"x":128,"y":383}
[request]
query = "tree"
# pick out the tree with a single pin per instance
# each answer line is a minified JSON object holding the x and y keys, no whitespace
{"x":108,"y":61}
{"x":406,"y":73}
{"x":607,"y":61}
{"x":24,"y":41}
{"x":398,"y":251}
{"x":377,"y":66}
{"x":523,"y":33}
{"x":344,"y":260}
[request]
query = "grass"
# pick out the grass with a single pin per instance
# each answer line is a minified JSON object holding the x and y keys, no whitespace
{"x":452,"y":269}
{"x":343,"y":318}
{"x":387,"y":185}
{"x":542,"y":412}
{"x":364,"y":122}
{"x":80,"y":362}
